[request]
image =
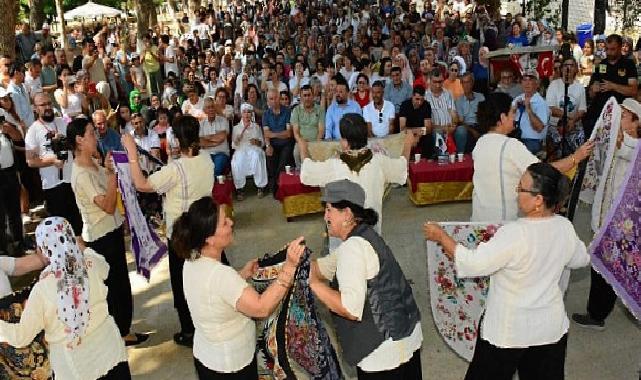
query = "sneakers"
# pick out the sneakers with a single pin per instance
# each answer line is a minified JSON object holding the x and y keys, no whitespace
{"x":586,"y":321}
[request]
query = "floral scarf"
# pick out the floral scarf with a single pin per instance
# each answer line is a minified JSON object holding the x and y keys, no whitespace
{"x":56,"y":240}
{"x":356,"y":159}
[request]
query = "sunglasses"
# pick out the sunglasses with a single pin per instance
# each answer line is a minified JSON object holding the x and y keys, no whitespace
{"x":380,"y":117}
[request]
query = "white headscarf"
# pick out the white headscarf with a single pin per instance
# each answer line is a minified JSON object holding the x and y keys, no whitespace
{"x":246,"y":107}
{"x":56,"y":240}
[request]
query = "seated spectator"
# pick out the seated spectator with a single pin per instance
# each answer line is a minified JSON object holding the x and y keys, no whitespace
{"x":466,"y":107}
{"x":214,"y":129}
{"x":444,"y":116}
{"x":416,"y":119}
{"x":249,"y":157}
{"x":379,"y":114}
{"x":532,"y":113}
{"x":397,"y":91}
{"x":453,"y":83}
{"x":340,"y":106}
{"x":507,"y":84}
{"x":308,"y":124}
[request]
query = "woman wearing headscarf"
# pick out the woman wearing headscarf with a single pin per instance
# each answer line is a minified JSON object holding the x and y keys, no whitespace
{"x":249,"y":156}
{"x":183,"y":181}
{"x":69,"y":303}
{"x":375,"y":315}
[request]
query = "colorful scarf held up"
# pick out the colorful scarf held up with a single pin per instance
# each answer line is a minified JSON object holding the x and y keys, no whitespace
{"x":56,"y":240}
{"x":294,"y":334}
{"x":616,"y":249}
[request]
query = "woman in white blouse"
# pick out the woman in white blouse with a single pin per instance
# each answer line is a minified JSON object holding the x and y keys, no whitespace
{"x":499,"y":161}
{"x":221,"y":302}
{"x":95,"y":188}
{"x":375,"y":315}
{"x":525,"y":325}
{"x":72,"y":103}
{"x":69,"y":303}
{"x":182,"y":181}
{"x":249,"y":156}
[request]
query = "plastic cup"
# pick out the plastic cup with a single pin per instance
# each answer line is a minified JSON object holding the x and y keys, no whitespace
{"x":452,"y":158}
{"x":288,"y":169}
{"x":221,"y":179}
{"x":459,"y":157}
{"x":417,"y":157}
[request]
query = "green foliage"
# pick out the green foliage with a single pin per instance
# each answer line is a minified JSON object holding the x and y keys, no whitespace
{"x":627,"y":13}
{"x":544,"y":10}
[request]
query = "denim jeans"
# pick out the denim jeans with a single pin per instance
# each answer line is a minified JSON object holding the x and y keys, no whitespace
{"x":221,"y":161}
{"x":533,"y":145}
{"x":460,"y":137}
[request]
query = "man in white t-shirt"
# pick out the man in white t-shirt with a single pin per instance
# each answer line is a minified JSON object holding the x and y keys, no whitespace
{"x":379,"y":113}
{"x":577,"y":106}
{"x":55,"y":170}
{"x":213,"y":137}
{"x":169,"y":57}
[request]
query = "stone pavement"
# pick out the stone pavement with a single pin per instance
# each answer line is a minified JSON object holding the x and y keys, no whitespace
{"x":260,"y":227}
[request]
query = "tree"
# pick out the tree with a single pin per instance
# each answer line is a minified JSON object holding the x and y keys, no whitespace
{"x":8,"y":27}
{"x":36,"y":14}
{"x":61,"y":19}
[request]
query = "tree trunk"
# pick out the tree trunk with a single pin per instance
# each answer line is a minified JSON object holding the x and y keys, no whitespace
{"x":36,"y":14}
{"x":599,"y":16}
{"x":142,"y":17}
{"x":62,"y":24}
{"x":7,"y":28}
{"x":153,"y":15}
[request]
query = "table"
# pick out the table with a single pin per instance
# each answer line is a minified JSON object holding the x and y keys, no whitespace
{"x":430,"y":182}
{"x":223,"y":195}
{"x":297,"y":199}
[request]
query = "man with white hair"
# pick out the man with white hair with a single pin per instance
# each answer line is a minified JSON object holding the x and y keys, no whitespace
{"x":249,"y":157}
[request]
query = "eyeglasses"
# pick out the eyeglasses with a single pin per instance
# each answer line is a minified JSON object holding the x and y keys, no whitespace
{"x":519,"y":189}
{"x":380,"y":117}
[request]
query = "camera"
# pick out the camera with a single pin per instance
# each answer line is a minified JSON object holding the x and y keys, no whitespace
{"x":58,"y":145}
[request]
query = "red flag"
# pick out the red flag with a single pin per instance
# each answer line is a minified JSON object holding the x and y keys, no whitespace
{"x":545,"y":65}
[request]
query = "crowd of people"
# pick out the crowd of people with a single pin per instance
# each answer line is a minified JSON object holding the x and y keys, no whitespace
{"x":241,"y":90}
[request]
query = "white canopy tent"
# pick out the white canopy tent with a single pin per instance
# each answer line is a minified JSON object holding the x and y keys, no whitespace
{"x":92,"y":10}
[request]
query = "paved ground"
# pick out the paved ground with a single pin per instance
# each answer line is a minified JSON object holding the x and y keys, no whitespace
{"x":260,"y":227}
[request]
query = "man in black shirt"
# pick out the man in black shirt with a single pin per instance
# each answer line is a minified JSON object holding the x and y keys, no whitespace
{"x":415,"y":115}
{"x":615,"y":76}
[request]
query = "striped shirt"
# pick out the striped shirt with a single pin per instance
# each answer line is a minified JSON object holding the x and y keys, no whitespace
{"x":441,"y":107}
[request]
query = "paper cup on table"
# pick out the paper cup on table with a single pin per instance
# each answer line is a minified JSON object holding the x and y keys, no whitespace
{"x":288,"y":169}
{"x":459,"y":157}
{"x":417,"y":157}
{"x":452,"y":158}
{"x":221,"y":179}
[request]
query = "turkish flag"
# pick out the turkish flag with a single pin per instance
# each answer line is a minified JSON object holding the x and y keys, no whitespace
{"x":545,"y":65}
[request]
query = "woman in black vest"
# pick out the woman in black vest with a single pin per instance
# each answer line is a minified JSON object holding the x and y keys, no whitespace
{"x":375,"y":314}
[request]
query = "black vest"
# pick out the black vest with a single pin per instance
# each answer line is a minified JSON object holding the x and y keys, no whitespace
{"x":389,"y":311}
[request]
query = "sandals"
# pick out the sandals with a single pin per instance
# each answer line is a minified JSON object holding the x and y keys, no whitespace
{"x":184,"y":339}
{"x":140,"y":338}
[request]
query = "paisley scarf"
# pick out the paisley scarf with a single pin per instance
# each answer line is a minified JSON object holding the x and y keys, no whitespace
{"x":356,"y":159}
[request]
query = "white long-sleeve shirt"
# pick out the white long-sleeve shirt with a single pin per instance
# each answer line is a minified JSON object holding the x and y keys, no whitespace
{"x":525,"y":260}
{"x":100,"y":349}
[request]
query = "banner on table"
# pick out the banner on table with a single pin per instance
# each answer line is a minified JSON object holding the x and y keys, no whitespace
{"x":457,"y":304}
{"x":616,"y":249}
{"x":148,"y":249}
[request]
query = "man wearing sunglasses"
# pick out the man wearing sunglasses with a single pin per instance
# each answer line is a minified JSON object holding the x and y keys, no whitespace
{"x":379,"y":113}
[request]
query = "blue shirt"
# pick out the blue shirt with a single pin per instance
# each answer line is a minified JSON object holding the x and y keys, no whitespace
{"x":398,"y":95}
{"x":277,"y":123}
{"x":334,"y":115}
{"x":109,"y":142}
{"x":466,"y":108}
{"x":519,"y":41}
{"x":540,"y":109}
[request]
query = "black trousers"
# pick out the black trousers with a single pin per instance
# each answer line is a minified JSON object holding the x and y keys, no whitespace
{"x":177,"y":290}
{"x":533,"y":363}
{"x":410,"y":370}
{"x":283,"y":155}
{"x":61,"y":201}
{"x":119,"y":298}
{"x":119,"y":372}
{"x":602,"y":297}
{"x":250,"y":372}
{"x":10,"y":207}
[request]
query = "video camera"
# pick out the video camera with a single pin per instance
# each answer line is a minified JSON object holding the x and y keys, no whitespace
{"x":58,"y":145}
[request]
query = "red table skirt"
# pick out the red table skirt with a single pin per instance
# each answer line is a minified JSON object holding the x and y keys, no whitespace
{"x":430,"y":171}
{"x":223,"y":192}
{"x":290,"y":185}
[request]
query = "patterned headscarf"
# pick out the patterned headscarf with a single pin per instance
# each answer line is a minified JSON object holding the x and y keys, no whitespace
{"x":56,"y":240}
